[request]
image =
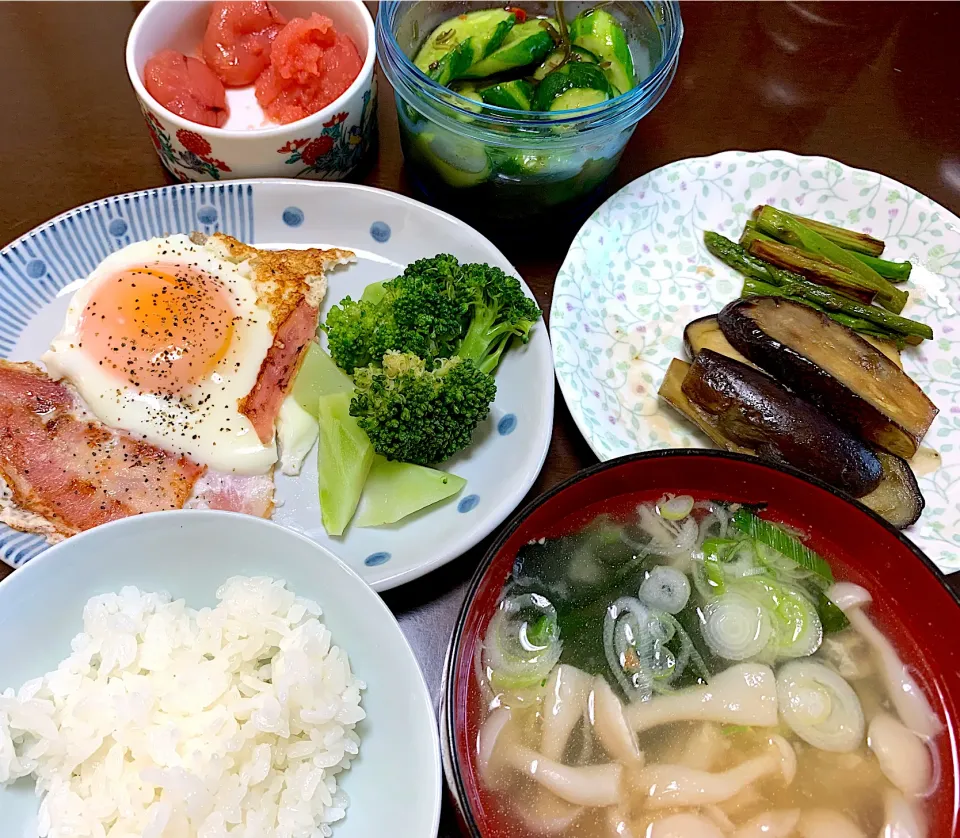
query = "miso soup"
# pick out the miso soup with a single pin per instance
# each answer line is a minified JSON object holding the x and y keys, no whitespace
{"x":693,"y":670}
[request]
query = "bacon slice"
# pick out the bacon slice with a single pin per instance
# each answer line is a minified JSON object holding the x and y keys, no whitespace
{"x":279,"y":368}
{"x":73,"y":472}
{"x":248,"y":493}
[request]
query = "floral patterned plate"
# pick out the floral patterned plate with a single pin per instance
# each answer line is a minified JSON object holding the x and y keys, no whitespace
{"x":638,"y":272}
{"x":386,"y":231}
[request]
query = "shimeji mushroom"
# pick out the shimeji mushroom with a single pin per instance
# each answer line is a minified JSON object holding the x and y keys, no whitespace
{"x":667,"y":786}
{"x":904,"y":758}
{"x":905,"y":694}
{"x":610,"y":724}
{"x":567,"y":692}
{"x":547,"y":814}
{"x":900,"y":819}
{"x":582,"y":785}
{"x":825,"y":823}
{"x":684,"y":825}
{"x":744,"y":694}
{"x":487,"y":754}
{"x":778,"y":823}
{"x":585,"y":785}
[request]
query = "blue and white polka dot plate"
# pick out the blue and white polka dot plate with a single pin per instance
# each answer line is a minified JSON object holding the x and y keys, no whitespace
{"x":386,"y":231}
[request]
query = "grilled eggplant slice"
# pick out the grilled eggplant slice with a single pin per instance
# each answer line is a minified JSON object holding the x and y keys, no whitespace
{"x":672,"y":393}
{"x":704,"y":333}
{"x":898,"y":497}
{"x":755,"y":411}
{"x":832,"y":367}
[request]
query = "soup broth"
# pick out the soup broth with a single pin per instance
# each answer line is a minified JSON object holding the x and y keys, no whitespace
{"x":691,"y":670}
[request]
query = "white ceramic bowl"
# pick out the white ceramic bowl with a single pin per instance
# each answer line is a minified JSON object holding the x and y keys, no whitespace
{"x":327,"y":145}
{"x":394,"y":785}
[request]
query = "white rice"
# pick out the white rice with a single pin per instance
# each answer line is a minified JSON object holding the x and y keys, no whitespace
{"x":166,"y":722}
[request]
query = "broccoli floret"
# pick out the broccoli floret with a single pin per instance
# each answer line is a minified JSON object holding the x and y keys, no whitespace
{"x":418,"y":415}
{"x":351,"y":328}
{"x":497,"y":311}
{"x":417,"y":312}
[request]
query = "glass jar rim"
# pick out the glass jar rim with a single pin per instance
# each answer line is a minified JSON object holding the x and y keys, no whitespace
{"x":643,"y":96}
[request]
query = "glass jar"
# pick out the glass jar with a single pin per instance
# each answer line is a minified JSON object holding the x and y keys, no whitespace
{"x":500,"y":167}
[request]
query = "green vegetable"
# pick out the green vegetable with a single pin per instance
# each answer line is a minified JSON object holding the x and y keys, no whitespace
{"x":374,"y":293}
{"x":418,"y":415}
{"x":787,"y":229}
{"x":573,"y":75}
{"x":460,"y":161}
{"x":868,"y":320}
{"x":395,"y":490}
{"x":781,"y":541}
{"x":497,"y":311}
{"x":798,"y":631}
{"x":734,"y":730}
{"x":516,"y":94}
{"x":418,"y":312}
{"x":318,"y":376}
{"x":522,"y":644}
{"x":525,"y":44}
{"x":601,"y":33}
{"x":797,"y":288}
{"x":460,"y":42}
{"x":344,"y":457}
{"x":736,"y":627}
{"x":832,"y":618}
{"x":894,"y":271}
{"x":559,"y":56}
{"x":814,"y":268}
{"x":469,"y":91}
{"x":847,"y":239}
{"x":578,"y":98}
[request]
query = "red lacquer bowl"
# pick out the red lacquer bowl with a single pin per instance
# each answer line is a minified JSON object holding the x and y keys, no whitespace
{"x":912,"y":602}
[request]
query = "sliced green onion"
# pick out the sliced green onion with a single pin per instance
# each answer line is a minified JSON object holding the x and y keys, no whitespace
{"x":798,"y":631}
{"x":665,"y":589}
{"x":687,"y":653}
{"x":628,"y":647}
{"x":636,"y":644}
{"x":741,"y":561}
{"x":735,"y":627}
{"x":820,"y":707}
{"x":675,"y":508}
{"x":522,"y":644}
{"x":781,"y":541}
{"x":718,"y":547}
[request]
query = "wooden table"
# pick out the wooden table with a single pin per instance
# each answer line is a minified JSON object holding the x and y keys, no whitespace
{"x":874,"y":85}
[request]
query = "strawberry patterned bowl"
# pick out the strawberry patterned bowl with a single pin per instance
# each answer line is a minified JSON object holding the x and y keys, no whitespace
{"x":326,"y":145}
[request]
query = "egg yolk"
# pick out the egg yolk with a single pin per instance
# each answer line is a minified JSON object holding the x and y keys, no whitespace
{"x":162,"y":328}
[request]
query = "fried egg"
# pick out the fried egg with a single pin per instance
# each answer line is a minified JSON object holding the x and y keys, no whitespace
{"x":166,"y":339}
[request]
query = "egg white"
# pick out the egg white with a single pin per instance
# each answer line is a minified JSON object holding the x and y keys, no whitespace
{"x":178,"y":425}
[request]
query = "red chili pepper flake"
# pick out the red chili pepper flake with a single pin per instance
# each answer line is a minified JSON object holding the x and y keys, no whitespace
{"x":519,"y":13}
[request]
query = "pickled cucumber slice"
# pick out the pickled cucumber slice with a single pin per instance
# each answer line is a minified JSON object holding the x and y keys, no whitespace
{"x":516,"y":94}
{"x":600,"y":32}
{"x":578,"y":98}
{"x":458,"y":43}
{"x":572,"y":75}
{"x":555,"y":59}
{"x":459,"y":161}
{"x":527,"y":43}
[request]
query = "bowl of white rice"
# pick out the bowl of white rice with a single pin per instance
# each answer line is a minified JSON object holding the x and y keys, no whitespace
{"x":204,"y":674}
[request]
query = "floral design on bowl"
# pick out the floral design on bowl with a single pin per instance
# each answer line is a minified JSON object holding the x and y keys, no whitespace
{"x":194,"y":154}
{"x":338,"y":149}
